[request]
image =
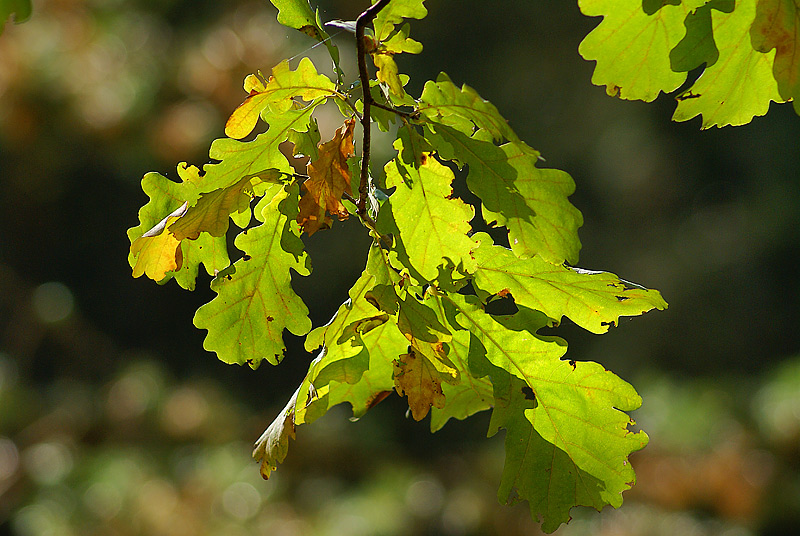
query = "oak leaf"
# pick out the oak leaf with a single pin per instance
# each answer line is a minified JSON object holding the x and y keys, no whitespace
{"x":420,"y":379}
{"x":328,"y":178}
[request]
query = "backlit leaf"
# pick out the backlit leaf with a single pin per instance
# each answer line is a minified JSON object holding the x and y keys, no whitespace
{"x":432,"y":224}
{"x":158,"y":251}
{"x":420,"y":379}
{"x":530,"y":201}
{"x":167,"y":196}
{"x":283,"y":86}
{"x":329,"y":178}
{"x":462,"y":109}
{"x":632,"y":47}
{"x":273,"y":445}
{"x":740,"y":85}
{"x":777,"y":26}
{"x":578,"y":408}
{"x":255,"y":301}
{"x":394,"y":13}
{"x":470,"y":395}
{"x":593,"y":300}
{"x":698,"y":47}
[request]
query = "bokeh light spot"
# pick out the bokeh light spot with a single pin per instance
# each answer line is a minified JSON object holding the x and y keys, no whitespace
{"x":52,"y":302}
{"x":47,"y":463}
{"x":241,"y":500}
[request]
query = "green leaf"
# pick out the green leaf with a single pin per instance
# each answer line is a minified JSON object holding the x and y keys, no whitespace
{"x":577,"y":407}
{"x":341,"y":338}
{"x":255,"y":301}
{"x":632,"y":47}
{"x":535,"y":470}
{"x":212,"y":211}
{"x":777,"y":26}
{"x":394,"y":13}
{"x":298,"y":14}
{"x":470,"y":395}
{"x":697,"y":47}
{"x":21,"y":9}
{"x":462,"y":109}
{"x":238,"y":159}
{"x":593,"y":300}
{"x":283,"y":86}
{"x":740,"y":85}
{"x":384,"y":344}
{"x":531,"y":202}
{"x":431,"y":224}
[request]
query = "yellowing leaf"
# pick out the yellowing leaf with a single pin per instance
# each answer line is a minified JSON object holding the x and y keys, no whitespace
{"x":329,"y":178}
{"x":394,"y":13}
{"x":273,"y":445}
{"x":470,"y":394}
{"x":740,"y":85}
{"x":158,"y":251}
{"x":165,"y":197}
{"x":777,"y":26}
{"x":283,"y":86}
{"x":388,"y":73}
{"x":632,"y":47}
{"x":212,"y":211}
{"x":383,"y":58}
{"x":419,"y":378}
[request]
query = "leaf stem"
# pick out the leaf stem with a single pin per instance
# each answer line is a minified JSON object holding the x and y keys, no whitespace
{"x":410,"y":115}
{"x":363,"y":187}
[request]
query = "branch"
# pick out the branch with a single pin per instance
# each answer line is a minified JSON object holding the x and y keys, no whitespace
{"x":361,"y":23}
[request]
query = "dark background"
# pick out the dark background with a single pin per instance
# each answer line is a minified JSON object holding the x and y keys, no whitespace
{"x":114,"y":420}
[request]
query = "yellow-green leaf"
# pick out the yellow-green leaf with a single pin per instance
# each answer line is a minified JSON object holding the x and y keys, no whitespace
{"x":255,"y":301}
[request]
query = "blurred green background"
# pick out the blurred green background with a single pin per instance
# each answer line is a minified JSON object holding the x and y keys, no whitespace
{"x":115,"y":421}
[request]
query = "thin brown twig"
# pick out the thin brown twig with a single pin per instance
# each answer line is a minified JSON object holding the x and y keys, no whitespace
{"x":363,"y":187}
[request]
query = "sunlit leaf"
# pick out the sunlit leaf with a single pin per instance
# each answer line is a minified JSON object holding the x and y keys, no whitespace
{"x":777,"y":26}
{"x":328,"y":179}
{"x":740,"y":85}
{"x":577,"y":407}
{"x":632,"y":47}
{"x":394,"y":13}
{"x":273,"y":445}
{"x":255,"y":301}
{"x":530,"y":201}
{"x":420,"y":379}
{"x":462,"y":109}
{"x":593,"y":300}
{"x":283,"y":86}
{"x":432,"y":224}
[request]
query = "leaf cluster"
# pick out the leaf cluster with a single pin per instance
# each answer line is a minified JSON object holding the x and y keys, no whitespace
{"x":747,"y":51}
{"x":418,"y":320}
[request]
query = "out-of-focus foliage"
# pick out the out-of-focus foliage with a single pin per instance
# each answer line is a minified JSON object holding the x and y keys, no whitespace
{"x":147,"y":454}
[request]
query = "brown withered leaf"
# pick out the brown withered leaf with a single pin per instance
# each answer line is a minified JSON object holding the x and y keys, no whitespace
{"x":420,"y":379}
{"x":328,"y":178}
